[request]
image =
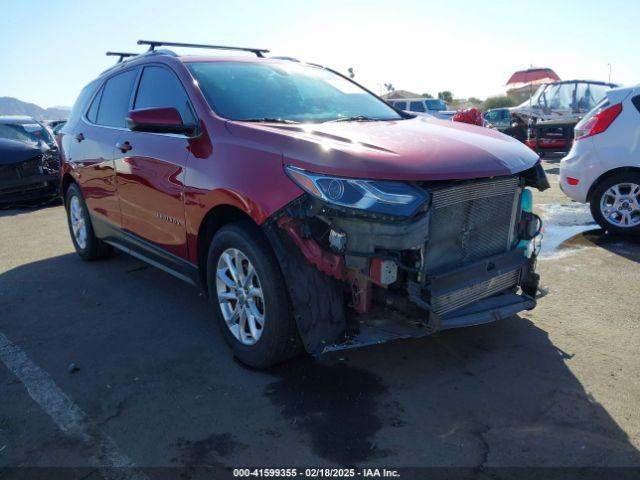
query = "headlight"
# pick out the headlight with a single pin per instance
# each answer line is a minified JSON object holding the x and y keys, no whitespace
{"x":375,"y":196}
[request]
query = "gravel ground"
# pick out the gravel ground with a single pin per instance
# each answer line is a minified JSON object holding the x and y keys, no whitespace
{"x":155,"y":385}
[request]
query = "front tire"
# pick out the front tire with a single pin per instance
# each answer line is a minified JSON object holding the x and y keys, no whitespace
{"x":87,"y":245}
{"x":615,"y":203}
{"x":249,"y":297}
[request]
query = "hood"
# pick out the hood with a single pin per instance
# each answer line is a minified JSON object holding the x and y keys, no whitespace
{"x":421,"y":148}
{"x":14,"y":151}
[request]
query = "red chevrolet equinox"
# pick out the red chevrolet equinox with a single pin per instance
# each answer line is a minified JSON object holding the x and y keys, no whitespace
{"x":313,"y":214}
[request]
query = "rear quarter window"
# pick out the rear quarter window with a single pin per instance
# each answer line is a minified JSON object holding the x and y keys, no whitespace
{"x":80,"y":104}
{"x":636,"y":102}
{"x":92,"y":114}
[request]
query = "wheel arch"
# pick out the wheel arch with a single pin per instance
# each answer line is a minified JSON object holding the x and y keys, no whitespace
{"x":67,"y":181}
{"x":608,"y":174}
{"x":214,"y":220}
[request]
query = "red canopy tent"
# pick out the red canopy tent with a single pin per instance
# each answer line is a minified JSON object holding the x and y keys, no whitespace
{"x":532,"y":76}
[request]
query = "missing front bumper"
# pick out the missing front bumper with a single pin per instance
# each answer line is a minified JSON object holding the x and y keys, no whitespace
{"x":388,"y":325}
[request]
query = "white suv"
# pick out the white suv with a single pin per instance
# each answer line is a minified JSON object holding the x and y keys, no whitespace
{"x":603,"y":166}
{"x":430,"y":106}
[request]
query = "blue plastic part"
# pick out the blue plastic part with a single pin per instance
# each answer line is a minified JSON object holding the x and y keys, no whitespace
{"x":526,"y":203}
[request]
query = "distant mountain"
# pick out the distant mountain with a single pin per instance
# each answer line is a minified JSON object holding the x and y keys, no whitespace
{"x":13,"y":106}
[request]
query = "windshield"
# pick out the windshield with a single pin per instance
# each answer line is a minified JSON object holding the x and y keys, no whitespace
{"x":575,"y":96}
{"x":285,"y":92}
{"x":25,"y":132}
{"x":436,"y":105}
{"x":558,"y":96}
{"x":588,"y":95}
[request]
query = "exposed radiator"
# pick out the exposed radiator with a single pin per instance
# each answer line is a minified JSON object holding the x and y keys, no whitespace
{"x":471,"y":221}
{"x":448,"y":302}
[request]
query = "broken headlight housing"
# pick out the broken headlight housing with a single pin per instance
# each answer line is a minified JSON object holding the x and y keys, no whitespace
{"x":375,"y":196}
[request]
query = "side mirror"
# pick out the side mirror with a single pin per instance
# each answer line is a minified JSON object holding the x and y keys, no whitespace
{"x":158,"y":120}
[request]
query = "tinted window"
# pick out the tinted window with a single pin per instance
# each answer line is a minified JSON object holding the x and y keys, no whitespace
{"x":92,"y":114}
{"x":400,"y":105}
{"x":285,"y":91}
{"x":114,"y":104}
{"x":491,"y":116}
{"x":161,"y":88}
{"x":436,"y":104}
{"x":416,"y":107}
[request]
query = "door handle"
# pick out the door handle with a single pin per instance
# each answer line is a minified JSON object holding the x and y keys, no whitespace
{"x":79,"y":137}
{"x":124,"y":147}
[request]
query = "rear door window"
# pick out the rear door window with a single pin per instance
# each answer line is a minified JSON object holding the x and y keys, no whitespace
{"x":161,"y":88}
{"x":416,"y":107}
{"x":400,"y":105}
{"x":116,"y":95}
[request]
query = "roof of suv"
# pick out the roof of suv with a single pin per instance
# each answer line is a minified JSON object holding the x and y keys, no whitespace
{"x":163,"y":53}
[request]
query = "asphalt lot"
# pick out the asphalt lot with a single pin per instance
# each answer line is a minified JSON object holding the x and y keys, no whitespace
{"x":558,"y":386}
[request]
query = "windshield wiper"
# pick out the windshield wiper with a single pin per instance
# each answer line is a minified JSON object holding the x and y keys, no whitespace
{"x":268,"y":120}
{"x":354,"y":118}
{"x":362,"y":118}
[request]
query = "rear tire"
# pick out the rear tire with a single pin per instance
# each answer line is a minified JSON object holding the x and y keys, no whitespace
{"x":87,"y":245}
{"x":615,"y":203}
{"x":251,"y":305}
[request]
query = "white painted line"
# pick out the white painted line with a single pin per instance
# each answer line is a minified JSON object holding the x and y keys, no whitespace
{"x":68,"y":416}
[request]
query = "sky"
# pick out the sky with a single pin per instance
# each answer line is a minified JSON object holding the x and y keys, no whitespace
{"x":50,"y":49}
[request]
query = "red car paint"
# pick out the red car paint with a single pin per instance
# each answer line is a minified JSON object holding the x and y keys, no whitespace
{"x":552,"y":143}
{"x":163,"y":187}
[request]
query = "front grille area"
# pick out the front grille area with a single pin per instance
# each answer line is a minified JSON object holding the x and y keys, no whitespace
{"x":471,"y":221}
{"x":450,"y":301}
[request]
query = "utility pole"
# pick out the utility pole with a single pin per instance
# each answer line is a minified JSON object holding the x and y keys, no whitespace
{"x":609,"y":72}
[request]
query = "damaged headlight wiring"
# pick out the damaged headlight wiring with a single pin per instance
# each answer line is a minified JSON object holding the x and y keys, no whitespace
{"x":377,"y":196}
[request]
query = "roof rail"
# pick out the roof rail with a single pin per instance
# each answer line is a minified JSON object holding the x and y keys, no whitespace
{"x":259,"y":52}
{"x":122,"y":55}
{"x":291,"y":59}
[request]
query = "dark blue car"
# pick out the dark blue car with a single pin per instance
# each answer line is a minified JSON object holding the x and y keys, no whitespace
{"x":29,"y":161}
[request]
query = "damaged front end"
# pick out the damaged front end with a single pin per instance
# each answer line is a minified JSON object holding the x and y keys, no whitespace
{"x":27,"y":172}
{"x":448,"y":254}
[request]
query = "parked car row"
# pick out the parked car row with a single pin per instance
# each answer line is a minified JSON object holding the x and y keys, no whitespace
{"x":602,"y":162}
{"x":546,"y":121}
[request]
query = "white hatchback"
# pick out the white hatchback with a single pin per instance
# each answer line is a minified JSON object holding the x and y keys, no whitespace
{"x":603,"y":166}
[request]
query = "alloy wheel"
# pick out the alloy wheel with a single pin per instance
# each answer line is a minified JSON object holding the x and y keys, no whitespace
{"x":620,"y":205}
{"x":78,"y":223}
{"x":240,"y":296}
